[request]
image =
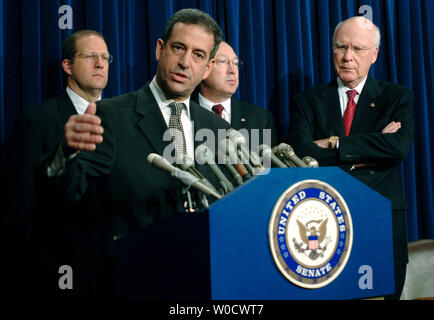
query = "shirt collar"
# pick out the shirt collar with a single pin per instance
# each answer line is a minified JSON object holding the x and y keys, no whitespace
{"x":79,"y":102}
{"x":161,"y":98}
{"x":342,"y":89}
{"x":208,"y":104}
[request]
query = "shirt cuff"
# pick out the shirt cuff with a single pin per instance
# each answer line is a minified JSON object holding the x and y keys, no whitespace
{"x":57,"y":166}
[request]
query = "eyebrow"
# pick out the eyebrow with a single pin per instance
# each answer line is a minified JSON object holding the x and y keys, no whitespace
{"x":337,"y":43}
{"x":185,"y":46}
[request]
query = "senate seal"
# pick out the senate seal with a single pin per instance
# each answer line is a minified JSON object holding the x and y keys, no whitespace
{"x":311,"y":234}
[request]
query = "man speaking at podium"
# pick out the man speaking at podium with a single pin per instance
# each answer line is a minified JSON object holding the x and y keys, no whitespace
{"x":360,"y":124}
{"x":110,"y":143}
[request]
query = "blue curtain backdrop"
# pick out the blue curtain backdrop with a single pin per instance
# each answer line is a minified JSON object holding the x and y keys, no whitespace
{"x":285,"y":46}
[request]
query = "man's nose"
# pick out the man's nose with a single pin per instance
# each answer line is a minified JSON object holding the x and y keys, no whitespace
{"x":99,"y":62}
{"x":349,"y":54}
{"x":231,"y":67}
{"x":185,"y":60}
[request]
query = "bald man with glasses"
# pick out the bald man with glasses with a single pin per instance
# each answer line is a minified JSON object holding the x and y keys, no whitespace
{"x":216,"y":94}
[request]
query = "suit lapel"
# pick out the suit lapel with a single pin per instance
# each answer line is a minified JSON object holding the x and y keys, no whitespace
{"x":66,"y":107}
{"x":369,"y":105}
{"x":236,"y":114}
{"x":331,"y":114}
{"x":152,"y":123}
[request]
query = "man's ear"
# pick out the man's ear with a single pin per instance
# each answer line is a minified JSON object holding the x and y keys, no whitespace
{"x":66,"y":66}
{"x":209,"y":67}
{"x":375,"y":55}
{"x":159,"y":49}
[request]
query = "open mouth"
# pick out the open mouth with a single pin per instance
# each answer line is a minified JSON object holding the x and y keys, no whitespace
{"x":179,"y":77}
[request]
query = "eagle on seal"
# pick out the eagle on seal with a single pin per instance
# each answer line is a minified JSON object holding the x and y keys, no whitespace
{"x":310,"y":235}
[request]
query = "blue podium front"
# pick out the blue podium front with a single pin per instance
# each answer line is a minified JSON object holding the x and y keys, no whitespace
{"x":294,"y":233}
{"x":242,"y":265}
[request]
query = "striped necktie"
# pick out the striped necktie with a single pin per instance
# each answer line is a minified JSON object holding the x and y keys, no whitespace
{"x":175,"y":128}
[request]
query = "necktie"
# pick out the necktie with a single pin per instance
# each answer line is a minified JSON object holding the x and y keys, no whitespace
{"x":218,"y":109}
{"x":349,"y":111}
{"x":175,"y":128}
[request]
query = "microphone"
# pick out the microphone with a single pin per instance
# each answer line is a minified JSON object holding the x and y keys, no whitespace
{"x":240,"y":142}
{"x":245,"y":162}
{"x":265,"y":152}
{"x":186,"y":163}
{"x":229,"y":148}
{"x":287,"y":152}
{"x":204,"y":154}
{"x":223,"y":158}
{"x":185,"y":177}
{"x":311,"y":162}
{"x":280,"y":156}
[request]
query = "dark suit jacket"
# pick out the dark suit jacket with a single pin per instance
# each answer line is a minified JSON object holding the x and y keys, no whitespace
{"x":37,"y":131}
{"x":316,"y":114}
{"x":248,"y":116}
{"x":42,"y":229}
{"x":134,"y":192}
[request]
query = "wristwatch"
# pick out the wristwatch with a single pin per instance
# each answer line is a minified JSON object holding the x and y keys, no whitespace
{"x":332,"y":139}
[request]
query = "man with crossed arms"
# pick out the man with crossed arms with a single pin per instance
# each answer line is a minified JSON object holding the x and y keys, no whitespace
{"x":360,"y":124}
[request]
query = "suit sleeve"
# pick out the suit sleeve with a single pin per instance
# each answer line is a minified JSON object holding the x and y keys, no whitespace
{"x":302,"y":130}
{"x":23,"y":156}
{"x":382,"y":148}
{"x":74,"y":177}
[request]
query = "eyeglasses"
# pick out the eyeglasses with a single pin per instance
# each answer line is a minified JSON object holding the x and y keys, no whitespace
{"x":221,"y":61}
{"x":93,"y":57}
{"x":342,"y":49}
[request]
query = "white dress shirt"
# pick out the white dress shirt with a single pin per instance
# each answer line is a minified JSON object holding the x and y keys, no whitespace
{"x":342,"y":92}
{"x":79,"y":103}
{"x":186,"y":121}
{"x":207,"y":104}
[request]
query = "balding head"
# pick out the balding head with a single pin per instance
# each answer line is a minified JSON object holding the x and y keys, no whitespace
{"x":362,"y":23}
{"x":356,"y":43}
{"x":222,"y":82}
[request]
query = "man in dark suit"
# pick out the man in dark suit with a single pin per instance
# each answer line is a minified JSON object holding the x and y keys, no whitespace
{"x":362,"y":125}
{"x":85,"y":61}
{"x":115,"y":136}
{"x":216,"y":94}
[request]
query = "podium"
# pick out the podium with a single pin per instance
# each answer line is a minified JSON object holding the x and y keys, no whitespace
{"x":226,"y":253}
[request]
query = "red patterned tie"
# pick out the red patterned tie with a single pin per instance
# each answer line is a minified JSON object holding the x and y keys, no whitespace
{"x":218,"y":109}
{"x":349,"y":111}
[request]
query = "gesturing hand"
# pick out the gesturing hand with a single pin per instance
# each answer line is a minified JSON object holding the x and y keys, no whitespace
{"x":83,"y":132}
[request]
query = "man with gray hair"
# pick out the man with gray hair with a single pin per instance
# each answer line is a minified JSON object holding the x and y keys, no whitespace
{"x":360,"y":124}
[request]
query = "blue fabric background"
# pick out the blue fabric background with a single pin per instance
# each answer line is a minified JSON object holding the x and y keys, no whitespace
{"x":285,"y":46}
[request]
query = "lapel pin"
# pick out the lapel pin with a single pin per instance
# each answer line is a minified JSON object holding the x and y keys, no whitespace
{"x":372,"y":104}
{"x":243,"y":120}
